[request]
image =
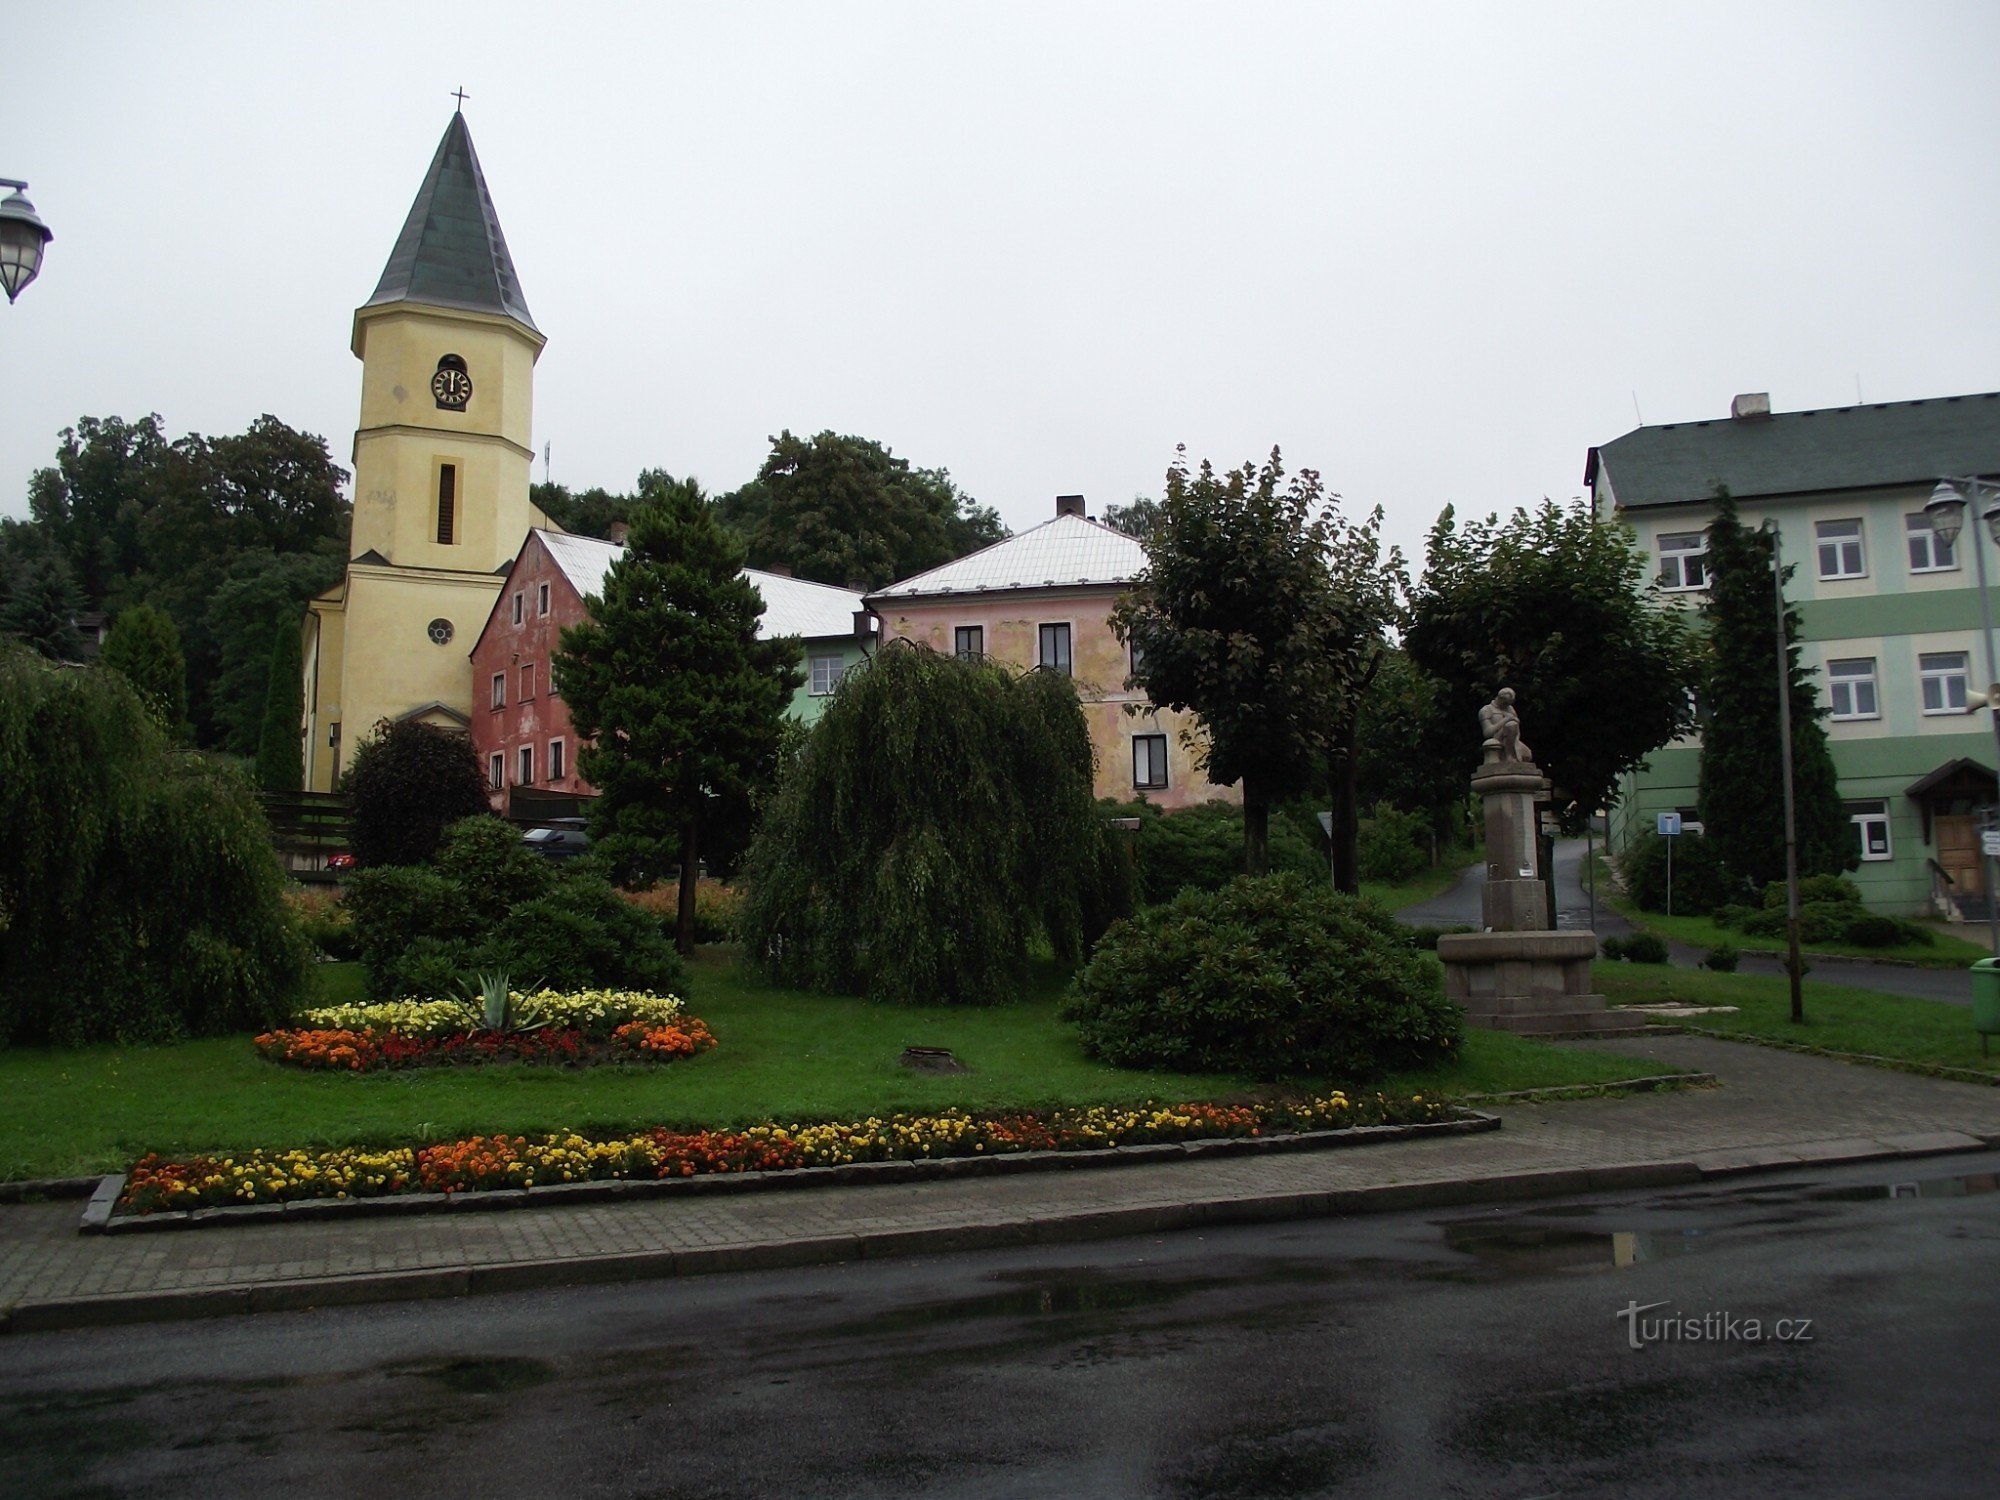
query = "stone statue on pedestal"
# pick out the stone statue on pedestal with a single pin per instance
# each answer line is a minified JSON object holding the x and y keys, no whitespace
{"x":1501,"y":726}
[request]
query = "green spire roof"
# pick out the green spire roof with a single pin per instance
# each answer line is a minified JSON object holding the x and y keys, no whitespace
{"x":451,"y":252}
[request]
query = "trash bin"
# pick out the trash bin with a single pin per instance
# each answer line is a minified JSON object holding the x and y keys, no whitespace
{"x":1986,"y":999}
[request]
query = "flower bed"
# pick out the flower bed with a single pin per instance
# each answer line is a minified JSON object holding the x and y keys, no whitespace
{"x":590,"y":1026}
{"x":478,"y":1163}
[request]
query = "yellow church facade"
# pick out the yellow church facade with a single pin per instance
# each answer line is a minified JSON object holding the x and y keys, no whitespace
{"x":441,"y":472}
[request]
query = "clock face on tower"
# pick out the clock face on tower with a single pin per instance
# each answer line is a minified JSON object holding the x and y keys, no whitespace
{"x":452,"y":386}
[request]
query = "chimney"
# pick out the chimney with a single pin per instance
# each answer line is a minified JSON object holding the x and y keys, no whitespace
{"x":618,"y":532}
{"x":1751,"y":406}
{"x":1069,"y":505}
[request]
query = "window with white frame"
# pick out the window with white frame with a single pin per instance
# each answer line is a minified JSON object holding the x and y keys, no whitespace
{"x":1840,"y":549}
{"x":1945,"y":678}
{"x":826,"y":672}
{"x":496,"y":770}
{"x":968,"y":642}
{"x":1053,"y":649}
{"x":1871,"y":826}
{"x":555,"y":760}
{"x":1683,"y":560}
{"x":1149,"y":762}
{"x":527,"y":766}
{"x":519,"y":600}
{"x":1138,"y":656}
{"x":1850,"y":688}
{"x":1929,"y":552}
{"x":499,"y":689}
{"x":541,"y":598}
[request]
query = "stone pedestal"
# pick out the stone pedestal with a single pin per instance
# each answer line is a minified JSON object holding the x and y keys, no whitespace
{"x":1518,"y":975}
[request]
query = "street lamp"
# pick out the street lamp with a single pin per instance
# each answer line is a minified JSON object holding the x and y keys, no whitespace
{"x":1946,"y":509}
{"x":22,"y":237}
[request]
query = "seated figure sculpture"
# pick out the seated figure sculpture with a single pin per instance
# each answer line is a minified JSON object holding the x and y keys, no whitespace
{"x":1501,"y":725}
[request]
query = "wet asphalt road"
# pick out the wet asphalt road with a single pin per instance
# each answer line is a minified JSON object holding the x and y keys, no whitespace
{"x":1460,"y":905}
{"x":1476,"y":1352}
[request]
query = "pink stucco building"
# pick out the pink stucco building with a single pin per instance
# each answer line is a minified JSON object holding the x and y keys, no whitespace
{"x":1043,"y":599}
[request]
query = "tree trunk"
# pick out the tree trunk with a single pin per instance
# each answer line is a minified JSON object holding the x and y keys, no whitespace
{"x":1256,"y":830}
{"x":690,"y":875}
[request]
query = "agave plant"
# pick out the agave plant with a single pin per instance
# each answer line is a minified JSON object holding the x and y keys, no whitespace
{"x":493,"y":1004}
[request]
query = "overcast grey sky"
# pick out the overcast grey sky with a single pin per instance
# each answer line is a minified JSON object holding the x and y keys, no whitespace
{"x":1432,"y":250}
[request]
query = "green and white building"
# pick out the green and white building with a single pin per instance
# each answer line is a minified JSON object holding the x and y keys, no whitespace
{"x":1891,"y":618}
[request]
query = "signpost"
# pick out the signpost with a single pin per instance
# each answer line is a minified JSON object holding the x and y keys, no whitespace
{"x":1670,"y":829}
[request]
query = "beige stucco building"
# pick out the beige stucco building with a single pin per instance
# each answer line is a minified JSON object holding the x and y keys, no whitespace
{"x":441,"y":468}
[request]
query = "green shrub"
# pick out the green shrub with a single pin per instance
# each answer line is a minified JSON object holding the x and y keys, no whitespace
{"x":409,"y":782}
{"x":1722,"y":958}
{"x":1700,"y":884}
{"x":1393,"y":846}
{"x":140,"y":898}
{"x":1645,"y":948}
{"x":397,"y":905}
{"x":1271,"y":976}
{"x":1731,"y":914}
{"x":324,"y":920}
{"x":1425,"y":938}
{"x":426,"y":967}
{"x":1822,"y":890}
{"x":484,"y":854}
{"x":1201,"y":848}
{"x":583,"y":935}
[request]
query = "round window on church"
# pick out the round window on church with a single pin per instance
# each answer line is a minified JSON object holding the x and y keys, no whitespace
{"x":440,"y":632}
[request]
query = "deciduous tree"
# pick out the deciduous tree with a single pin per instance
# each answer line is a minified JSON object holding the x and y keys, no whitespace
{"x":407,"y":783}
{"x":145,"y":647}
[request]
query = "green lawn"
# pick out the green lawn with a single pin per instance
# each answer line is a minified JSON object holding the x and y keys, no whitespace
{"x":1837,"y":1017}
{"x":1947,"y":952}
{"x":1426,"y":885}
{"x":783,"y":1055}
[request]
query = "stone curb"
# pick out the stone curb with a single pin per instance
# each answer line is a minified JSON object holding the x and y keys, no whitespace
{"x":1651,"y":1084}
{"x":98,"y":1217}
{"x":460,"y":1281}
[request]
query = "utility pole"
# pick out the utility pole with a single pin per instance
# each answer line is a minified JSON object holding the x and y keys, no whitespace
{"x":1794,"y":965}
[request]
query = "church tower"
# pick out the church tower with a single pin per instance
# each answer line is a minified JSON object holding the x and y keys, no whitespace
{"x":441,"y":466}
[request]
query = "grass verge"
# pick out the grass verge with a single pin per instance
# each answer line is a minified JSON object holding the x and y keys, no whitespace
{"x":1927,"y":1033}
{"x":1946,"y":952}
{"x":784,"y":1055}
{"x":1453,"y":863}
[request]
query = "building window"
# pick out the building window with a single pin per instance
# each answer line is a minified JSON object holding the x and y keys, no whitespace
{"x":527,"y":681}
{"x":527,"y":767}
{"x":1871,"y":824}
{"x":517,"y":608}
{"x":496,"y":770}
{"x":1850,"y":684}
{"x":541,"y":598}
{"x":1929,"y":552}
{"x":447,"y":503}
{"x":499,"y":689}
{"x":1138,"y":658}
{"x":1149,"y":762}
{"x":968,"y":642}
{"x":1840,"y":549}
{"x":826,"y":672}
{"x":1945,"y":680}
{"x":555,"y":760}
{"x":1055,"y":649}
{"x":1683,"y":561}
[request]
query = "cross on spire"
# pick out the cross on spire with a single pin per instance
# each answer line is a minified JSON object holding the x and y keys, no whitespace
{"x":461,"y":96}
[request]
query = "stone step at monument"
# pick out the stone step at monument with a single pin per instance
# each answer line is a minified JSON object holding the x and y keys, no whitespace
{"x":1569,"y":1023}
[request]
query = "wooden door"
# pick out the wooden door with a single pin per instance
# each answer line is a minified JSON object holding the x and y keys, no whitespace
{"x":1958,"y":852}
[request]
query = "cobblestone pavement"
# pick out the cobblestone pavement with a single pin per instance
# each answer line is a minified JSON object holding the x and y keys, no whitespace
{"x":1773,"y":1109}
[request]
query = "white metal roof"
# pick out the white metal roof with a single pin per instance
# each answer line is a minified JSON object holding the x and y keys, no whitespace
{"x":1063,"y":552}
{"x":792,"y":606}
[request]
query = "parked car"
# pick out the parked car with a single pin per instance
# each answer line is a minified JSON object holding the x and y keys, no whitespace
{"x":342,"y":862}
{"x":561,"y":838}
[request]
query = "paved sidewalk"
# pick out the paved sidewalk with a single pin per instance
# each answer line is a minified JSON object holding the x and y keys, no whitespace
{"x":1774,"y":1109}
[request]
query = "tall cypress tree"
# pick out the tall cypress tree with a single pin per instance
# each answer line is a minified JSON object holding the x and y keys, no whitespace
{"x":281,"y":756}
{"x":1741,"y":799}
{"x":680,"y":699}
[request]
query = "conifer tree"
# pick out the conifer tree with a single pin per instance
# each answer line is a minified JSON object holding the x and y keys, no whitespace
{"x":41,"y":607}
{"x":145,"y":646}
{"x":1742,"y":808}
{"x":281,"y":761}
{"x":681,"y":701}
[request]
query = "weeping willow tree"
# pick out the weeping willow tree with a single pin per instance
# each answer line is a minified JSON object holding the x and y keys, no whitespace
{"x":140,"y":898}
{"x":938,"y":820}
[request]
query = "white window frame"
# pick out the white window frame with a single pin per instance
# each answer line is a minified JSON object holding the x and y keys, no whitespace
{"x":541,"y":598}
{"x":1939,"y":555}
{"x":1149,"y":743}
{"x":524,"y":766}
{"x":1135,"y":659}
{"x":1067,"y":666}
{"x":1939,"y":670}
{"x":1871,"y":819}
{"x":520,"y":605}
{"x":1838,"y":545}
{"x":1853,"y":693}
{"x":496,"y":770}
{"x":499,"y":690}
{"x":1684,"y":563}
{"x":958,"y":638}
{"x":557,"y":770}
{"x":826,"y":670}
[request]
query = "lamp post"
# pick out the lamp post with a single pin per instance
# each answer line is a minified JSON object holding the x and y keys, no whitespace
{"x":1794,"y":964}
{"x":22,"y":238}
{"x":1946,"y":509}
